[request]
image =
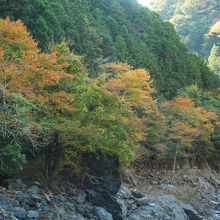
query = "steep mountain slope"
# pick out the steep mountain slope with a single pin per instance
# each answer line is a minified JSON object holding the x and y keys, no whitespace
{"x":78,"y":134}
{"x":114,"y":30}
{"x":195,"y":20}
{"x":192,"y":19}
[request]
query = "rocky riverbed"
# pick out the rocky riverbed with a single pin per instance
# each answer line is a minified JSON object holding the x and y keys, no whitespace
{"x":18,"y":201}
{"x":109,"y":193}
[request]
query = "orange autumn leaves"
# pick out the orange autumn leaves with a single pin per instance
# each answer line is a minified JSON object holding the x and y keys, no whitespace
{"x":26,"y":70}
{"x":197,"y":117}
{"x":189,"y":126}
{"x":178,"y":123}
{"x":15,"y":34}
{"x":39,"y":76}
{"x":133,"y":85}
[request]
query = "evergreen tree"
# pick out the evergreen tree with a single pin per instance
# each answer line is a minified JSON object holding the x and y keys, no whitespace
{"x":124,"y":31}
{"x":214,"y":59}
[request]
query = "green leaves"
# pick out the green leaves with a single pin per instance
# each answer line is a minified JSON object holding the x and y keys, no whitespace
{"x":214,"y":60}
{"x":99,"y":126}
{"x":124,"y":31}
{"x":53,"y":104}
{"x":11,"y":159}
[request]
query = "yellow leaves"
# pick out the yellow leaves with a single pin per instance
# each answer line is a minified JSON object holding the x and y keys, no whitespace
{"x":190,"y":123}
{"x":183,"y":131}
{"x":135,"y":123}
{"x":133,"y":85}
{"x":187,"y":106}
{"x":207,"y":116}
{"x":116,"y":67}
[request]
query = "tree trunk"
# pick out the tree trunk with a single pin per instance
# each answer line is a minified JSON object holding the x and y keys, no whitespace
{"x":52,"y":156}
{"x":175,"y":158}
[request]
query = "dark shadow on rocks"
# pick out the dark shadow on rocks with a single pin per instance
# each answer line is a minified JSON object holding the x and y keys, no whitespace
{"x":192,"y":215}
{"x":101,"y":182}
{"x":103,"y":172}
{"x":105,"y":182}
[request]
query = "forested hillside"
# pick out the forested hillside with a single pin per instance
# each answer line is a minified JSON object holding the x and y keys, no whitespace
{"x":114,"y":30}
{"x":53,"y":110}
{"x":99,"y":97}
{"x":197,"y":22}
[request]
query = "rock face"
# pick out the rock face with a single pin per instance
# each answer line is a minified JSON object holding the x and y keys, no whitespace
{"x":34,"y":203}
{"x":142,"y":207}
{"x":19,"y":212}
{"x":103,"y":197}
{"x":105,"y":169}
{"x":102,"y":214}
{"x":102,"y":183}
{"x":101,"y":193}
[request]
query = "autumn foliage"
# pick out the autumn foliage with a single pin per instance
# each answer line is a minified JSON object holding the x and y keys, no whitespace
{"x":133,"y":85}
{"x":49,"y":106}
{"x":27,"y":71}
{"x":190,"y":128}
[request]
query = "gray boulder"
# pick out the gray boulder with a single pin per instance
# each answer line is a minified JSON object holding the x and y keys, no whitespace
{"x":102,"y":214}
{"x":6,"y":203}
{"x":166,"y":207}
{"x":150,"y":212}
{"x":28,"y":199}
{"x":19,"y":212}
{"x":174,"y":208}
{"x":33,"y":214}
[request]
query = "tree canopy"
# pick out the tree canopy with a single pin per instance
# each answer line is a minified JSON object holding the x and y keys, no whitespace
{"x":114,"y":31}
{"x":54,"y":109}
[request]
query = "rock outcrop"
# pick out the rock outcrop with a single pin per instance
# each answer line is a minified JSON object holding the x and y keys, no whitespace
{"x":34,"y":202}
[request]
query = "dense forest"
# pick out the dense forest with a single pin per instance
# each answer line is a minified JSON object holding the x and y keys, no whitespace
{"x":114,"y":30}
{"x":111,"y":80}
{"x":198,"y":24}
